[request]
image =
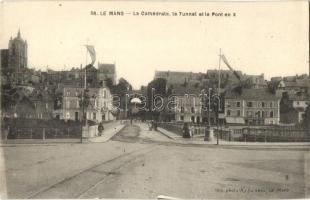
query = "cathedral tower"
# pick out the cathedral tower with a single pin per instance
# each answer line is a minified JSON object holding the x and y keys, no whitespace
{"x":18,"y":53}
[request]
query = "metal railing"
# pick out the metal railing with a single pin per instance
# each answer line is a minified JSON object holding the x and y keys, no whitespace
{"x":245,"y":134}
{"x":264,"y":134}
{"x":40,"y":133}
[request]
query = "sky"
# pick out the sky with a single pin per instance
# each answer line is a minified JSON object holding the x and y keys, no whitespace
{"x":263,"y":37}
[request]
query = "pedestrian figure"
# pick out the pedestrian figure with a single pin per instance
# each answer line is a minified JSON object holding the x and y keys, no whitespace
{"x":186,"y":130}
{"x":191,"y":132}
{"x":150,"y":126}
{"x":155,"y":125}
{"x":100,"y":128}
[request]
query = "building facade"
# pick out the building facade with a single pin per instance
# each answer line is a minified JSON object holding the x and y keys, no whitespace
{"x":188,"y":105}
{"x":106,"y":71}
{"x":252,"y":107}
{"x":97,"y":109}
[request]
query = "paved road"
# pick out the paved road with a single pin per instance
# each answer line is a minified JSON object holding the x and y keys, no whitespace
{"x":138,"y":163}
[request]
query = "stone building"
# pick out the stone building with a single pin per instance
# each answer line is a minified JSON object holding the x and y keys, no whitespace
{"x":106,"y":71}
{"x":180,"y":78}
{"x":98,"y":109}
{"x":188,"y":105}
{"x":18,"y":54}
{"x":252,"y":107}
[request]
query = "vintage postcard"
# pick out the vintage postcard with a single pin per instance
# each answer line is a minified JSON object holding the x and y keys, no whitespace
{"x":154,"y":99}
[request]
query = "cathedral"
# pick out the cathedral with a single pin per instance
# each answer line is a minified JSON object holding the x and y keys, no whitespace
{"x":17,"y":53}
{"x":14,"y":59}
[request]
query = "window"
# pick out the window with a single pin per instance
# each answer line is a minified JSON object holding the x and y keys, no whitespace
{"x":228,"y":112}
{"x":193,"y":118}
{"x":271,"y":113}
{"x":94,"y":116}
{"x":192,"y":109}
{"x":263,"y":104}
{"x":182,"y":109}
{"x":67,"y":103}
{"x":198,"y":119}
{"x":182,"y":118}
{"x":249,"y":104}
{"x":238,"y":104}
{"x":238,"y":113}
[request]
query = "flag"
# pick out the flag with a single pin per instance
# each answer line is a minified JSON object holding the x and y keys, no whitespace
{"x":92,"y":53}
{"x":228,"y":65}
{"x":226,"y":62}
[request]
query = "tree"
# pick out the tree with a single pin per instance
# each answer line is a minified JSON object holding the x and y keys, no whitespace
{"x":119,"y":91}
{"x":306,"y":118}
{"x":158,"y":86}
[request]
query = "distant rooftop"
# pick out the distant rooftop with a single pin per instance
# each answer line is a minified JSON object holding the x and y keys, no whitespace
{"x":251,"y":94}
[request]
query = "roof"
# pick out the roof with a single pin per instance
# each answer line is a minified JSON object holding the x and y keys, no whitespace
{"x":181,"y":90}
{"x":90,"y":91}
{"x":251,"y":94}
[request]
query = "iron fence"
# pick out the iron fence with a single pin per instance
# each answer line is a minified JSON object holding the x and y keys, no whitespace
{"x":250,"y":134}
{"x":245,"y":134}
{"x":40,"y":133}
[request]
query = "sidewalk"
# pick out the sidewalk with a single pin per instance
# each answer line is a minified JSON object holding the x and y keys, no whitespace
{"x":109,"y":131}
{"x":169,"y":134}
{"x":200,"y":140}
{"x":146,"y":133}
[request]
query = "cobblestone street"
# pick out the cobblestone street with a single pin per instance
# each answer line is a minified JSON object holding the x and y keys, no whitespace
{"x":137,"y":163}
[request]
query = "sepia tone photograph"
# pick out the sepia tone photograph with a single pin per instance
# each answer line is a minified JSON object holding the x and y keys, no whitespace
{"x":154,"y":99}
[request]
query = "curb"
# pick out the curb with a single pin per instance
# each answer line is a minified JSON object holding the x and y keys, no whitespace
{"x":168,"y":136}
{"x":117,"y":130}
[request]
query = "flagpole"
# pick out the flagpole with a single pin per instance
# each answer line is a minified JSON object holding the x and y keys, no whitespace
{"x":85,"y":82}
{"x":83,"y":97}
{"x":219,"y":93}
{"x":219,"y":83}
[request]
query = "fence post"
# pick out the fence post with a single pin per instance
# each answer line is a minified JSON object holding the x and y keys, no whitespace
{"x":43,"y":133}
{"x":68,"y":132}
{"x":30,"y":133}
{"x":17,"y":133}
{"x":265,"y":134}
{"x":55,"y":133}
